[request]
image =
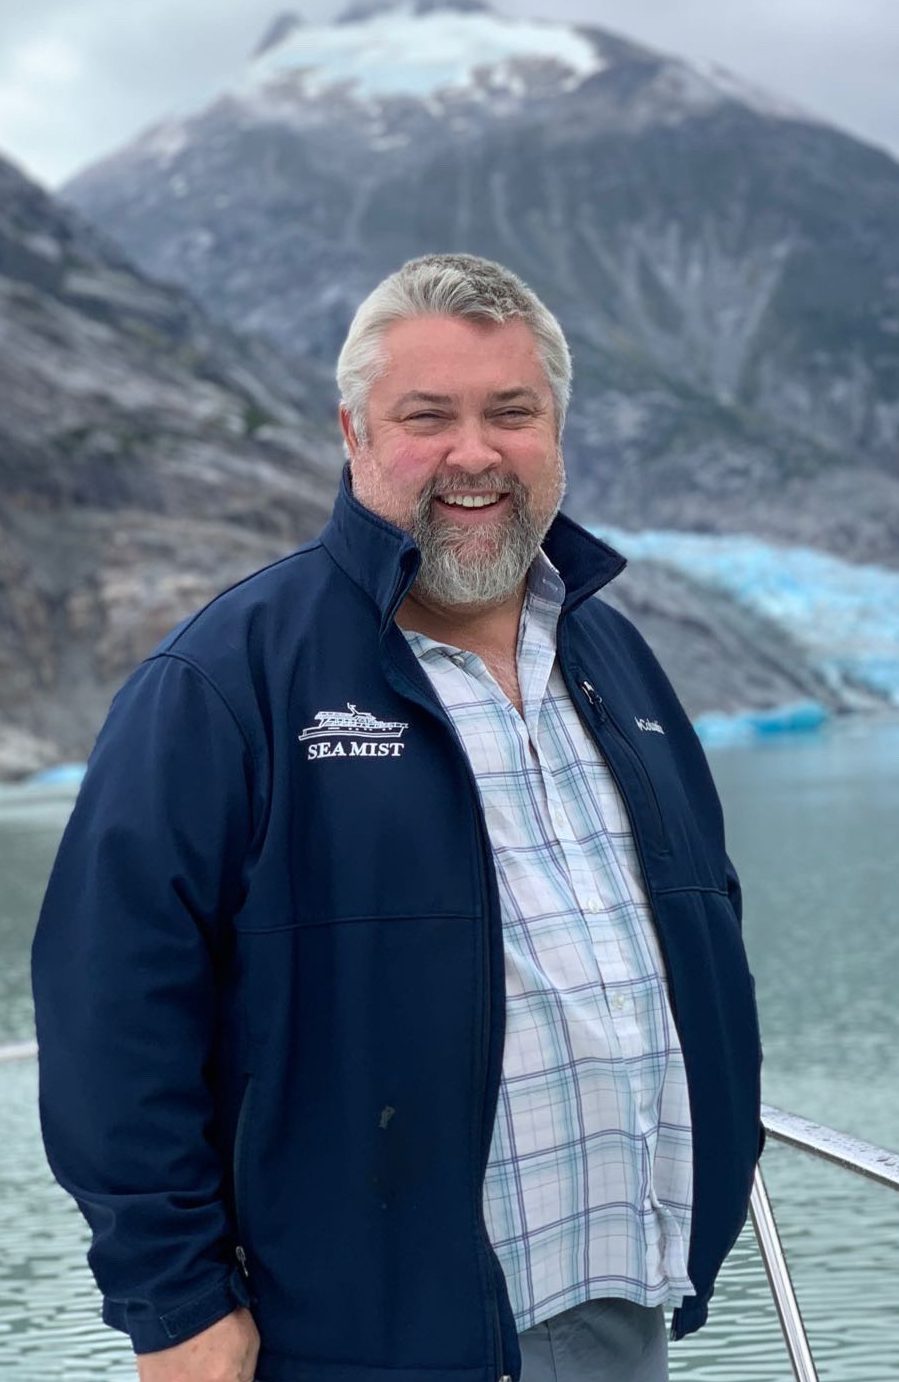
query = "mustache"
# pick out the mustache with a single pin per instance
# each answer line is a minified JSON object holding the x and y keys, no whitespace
{"x":487,"y":480}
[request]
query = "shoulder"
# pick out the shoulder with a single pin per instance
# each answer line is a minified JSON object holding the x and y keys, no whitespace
{"x":240,"y":646}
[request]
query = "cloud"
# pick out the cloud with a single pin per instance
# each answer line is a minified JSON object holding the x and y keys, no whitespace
{"x":40,"y":75}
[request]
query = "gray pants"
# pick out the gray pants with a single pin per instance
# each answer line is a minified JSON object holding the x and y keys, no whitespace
{"x":599,"y":1341}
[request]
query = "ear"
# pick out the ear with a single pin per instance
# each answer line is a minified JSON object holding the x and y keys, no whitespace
{"x":350,"y":440}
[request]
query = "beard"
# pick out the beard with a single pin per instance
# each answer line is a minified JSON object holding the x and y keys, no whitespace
{"x":484,"y":565}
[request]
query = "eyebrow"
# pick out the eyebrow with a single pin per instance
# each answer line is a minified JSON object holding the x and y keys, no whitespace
{"x":502,"y":396}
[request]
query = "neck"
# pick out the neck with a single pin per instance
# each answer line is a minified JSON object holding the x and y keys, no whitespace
{"x":465,"y":626}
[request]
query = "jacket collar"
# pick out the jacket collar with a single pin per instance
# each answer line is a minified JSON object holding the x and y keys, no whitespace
{"x":383,"y":560}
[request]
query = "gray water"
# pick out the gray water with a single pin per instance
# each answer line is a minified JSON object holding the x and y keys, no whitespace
{"x":812,"y":824}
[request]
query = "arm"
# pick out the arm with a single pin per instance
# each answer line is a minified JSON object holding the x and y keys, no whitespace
{"x":125,"y":964}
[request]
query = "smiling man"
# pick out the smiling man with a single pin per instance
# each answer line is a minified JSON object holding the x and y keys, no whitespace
{"x":394,"y":1017}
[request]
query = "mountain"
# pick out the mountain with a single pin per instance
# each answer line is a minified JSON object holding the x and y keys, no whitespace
{"x":726,"y":265}
{"x":147,"y":459}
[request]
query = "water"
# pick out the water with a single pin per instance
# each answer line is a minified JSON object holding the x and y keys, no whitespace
{"x":812,"y":823}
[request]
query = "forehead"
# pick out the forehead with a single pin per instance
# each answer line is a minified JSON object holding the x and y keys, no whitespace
{"x":455,"y":354}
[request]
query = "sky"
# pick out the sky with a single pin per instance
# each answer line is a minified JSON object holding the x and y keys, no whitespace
{"x":79,"y":78}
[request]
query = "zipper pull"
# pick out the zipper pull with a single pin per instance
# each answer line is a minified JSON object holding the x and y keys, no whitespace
{"x":242,"y":1259}
{"x":594,"y":698}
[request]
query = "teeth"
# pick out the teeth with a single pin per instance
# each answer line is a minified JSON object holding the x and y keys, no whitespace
{"x":470,"y":501}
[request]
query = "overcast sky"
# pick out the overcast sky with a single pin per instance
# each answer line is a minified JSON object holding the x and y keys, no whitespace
{"x":80,"y":77}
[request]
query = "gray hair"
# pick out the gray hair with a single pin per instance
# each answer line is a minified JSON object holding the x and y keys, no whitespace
{"x":451,"y":285}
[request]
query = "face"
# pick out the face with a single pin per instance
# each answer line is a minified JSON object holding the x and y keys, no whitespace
{"x":462,"y":453}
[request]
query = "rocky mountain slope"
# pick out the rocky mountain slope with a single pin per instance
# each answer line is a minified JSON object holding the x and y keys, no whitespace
{"x":147,"y":459}
{"x":726,"y":266}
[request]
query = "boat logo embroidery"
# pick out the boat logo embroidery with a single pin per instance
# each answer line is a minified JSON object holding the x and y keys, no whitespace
{"x":366,"y":735}
{"x":651,"y":725}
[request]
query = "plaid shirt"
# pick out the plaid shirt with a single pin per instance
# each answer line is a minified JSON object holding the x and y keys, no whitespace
{"x":588,"y":1190}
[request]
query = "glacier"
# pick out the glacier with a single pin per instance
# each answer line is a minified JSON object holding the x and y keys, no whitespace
{"x":844,"y":615}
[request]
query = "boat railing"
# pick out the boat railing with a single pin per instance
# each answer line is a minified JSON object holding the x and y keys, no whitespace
{"x":849,"y":1153}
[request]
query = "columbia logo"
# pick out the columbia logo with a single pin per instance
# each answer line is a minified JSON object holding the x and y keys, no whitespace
{"x":652,"y":726}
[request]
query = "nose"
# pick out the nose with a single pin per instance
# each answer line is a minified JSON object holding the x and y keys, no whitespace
{"x":472,"y":449}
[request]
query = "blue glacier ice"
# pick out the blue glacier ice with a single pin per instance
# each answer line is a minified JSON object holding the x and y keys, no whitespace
{"x":59,"y":775}
{"x":844,"y":615}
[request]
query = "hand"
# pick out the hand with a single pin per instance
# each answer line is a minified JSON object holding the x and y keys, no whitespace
{"x":225,"y":1352}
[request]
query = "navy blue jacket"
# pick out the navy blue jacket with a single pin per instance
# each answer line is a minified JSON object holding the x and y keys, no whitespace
{"x":268,"y":973}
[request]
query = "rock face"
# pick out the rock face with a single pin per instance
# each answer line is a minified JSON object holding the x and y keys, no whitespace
{"x":726,"y":266}
{"x":147,"y":459}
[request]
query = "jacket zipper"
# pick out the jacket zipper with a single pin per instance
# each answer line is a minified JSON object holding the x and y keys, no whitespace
{"x":430,"y":703}
{"x":596,"y":702}
{"x":605,"y":716}
{"x":485,"y":1037}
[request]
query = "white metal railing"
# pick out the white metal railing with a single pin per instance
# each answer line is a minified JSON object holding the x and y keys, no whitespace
{"x":851,"y":1154}
{"x":17,"y":1050}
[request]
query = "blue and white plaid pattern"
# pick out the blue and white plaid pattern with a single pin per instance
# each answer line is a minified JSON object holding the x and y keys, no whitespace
{"x":588,"y":1191}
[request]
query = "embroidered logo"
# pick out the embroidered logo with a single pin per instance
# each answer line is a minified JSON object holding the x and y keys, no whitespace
{"x":367,"y":736}
{"x":651,"y":725}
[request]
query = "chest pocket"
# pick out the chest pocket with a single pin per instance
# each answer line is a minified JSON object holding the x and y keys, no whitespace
{"x":673,"y":811}
{"x":381,"y":820}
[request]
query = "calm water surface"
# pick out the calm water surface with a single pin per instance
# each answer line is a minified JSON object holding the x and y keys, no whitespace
{"x":812,"y":827}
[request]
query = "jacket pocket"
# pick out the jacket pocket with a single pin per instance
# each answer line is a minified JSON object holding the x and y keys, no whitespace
{"x":239,"y":1168}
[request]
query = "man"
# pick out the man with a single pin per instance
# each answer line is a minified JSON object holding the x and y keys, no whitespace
{"x":394,"y":1018}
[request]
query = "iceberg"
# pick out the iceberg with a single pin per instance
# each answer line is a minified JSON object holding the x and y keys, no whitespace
{"x":801,"y":716}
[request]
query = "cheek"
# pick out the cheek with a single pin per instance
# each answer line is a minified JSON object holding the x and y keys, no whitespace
{"x":391,"y":480}
{"x":408,"y":468}
{"x":538,"y":462}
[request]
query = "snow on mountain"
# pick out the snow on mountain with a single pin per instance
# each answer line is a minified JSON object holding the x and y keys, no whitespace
{"x":458,"y":53}
{"x":424,"y":48}
{"x":399,"y":51}
{"x":844,"y":615}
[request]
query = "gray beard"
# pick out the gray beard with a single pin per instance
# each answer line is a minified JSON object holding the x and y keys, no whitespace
{"x":448,"y":576}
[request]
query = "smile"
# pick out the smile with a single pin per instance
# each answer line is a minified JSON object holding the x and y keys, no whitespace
{"x":471,"y":501}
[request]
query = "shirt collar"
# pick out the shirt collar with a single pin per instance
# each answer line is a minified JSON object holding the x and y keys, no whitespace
{"x":383,"y":560}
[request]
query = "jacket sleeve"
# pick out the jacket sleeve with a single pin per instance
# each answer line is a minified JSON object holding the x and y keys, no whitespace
{"x":125,"y":963}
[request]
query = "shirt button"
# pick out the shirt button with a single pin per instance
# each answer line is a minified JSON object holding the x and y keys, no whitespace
{"x":458,"y":658}
{"x":592,"y":904}
{"x":559,"y":822}
{"x":619,"y":1002}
